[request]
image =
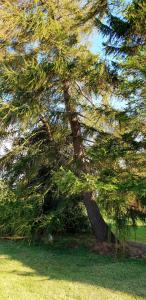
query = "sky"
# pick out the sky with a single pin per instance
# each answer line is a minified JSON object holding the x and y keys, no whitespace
{"x":96,"y":41}
{"x":96,"y":46}
{"x":96,"y":38}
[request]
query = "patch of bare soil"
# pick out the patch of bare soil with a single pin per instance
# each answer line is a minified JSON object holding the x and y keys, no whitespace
{"x":129,"y":249}
{"x":13,"y":238}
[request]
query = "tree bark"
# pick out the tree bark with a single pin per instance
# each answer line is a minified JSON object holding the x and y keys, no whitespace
{"x":99,"y":227}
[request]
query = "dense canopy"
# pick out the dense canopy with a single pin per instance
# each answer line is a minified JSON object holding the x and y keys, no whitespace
{"x":73,"y":153}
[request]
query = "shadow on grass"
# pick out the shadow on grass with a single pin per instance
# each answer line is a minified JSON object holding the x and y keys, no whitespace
{"x":79,"y":265}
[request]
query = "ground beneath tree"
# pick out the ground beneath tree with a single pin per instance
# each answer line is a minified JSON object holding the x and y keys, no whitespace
{"x":129,"y":249}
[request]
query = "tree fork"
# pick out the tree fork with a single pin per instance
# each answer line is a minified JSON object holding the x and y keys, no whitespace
{"x":99,"y":227}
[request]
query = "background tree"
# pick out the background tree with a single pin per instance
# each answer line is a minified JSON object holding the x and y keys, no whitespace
{"x":126,"y":43}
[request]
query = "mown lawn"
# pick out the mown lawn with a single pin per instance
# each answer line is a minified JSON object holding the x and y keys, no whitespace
{"x":53,"y":273}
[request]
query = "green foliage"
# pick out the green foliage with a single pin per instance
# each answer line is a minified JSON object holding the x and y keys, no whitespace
{"x":25,"y":217}
{"x":41,"y":50}
{"x":69,"y":183}
{"x":17,"y":215}
{"x":69,"y":217}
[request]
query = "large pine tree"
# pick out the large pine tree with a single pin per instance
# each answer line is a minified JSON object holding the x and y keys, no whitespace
{"x":46,"y":75}
{"x":56,"y":106}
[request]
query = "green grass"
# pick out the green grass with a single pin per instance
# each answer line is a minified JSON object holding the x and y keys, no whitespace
{"x":135,"y":234}
{"x":139,"y":234}
{"x":52,"y":273}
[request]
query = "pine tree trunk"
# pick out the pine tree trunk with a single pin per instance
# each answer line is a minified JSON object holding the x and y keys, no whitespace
{"x":99,"y":227}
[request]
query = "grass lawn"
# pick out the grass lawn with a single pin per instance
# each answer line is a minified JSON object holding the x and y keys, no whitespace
{"x":52,"y":273}
{"x":139,"y":234}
